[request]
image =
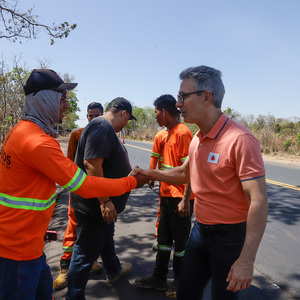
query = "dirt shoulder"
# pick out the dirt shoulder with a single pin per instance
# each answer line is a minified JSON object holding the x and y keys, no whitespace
{"x":282,"y":158}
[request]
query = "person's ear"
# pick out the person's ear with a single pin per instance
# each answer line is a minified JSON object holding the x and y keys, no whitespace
{"x":124,"y":113}
{"x":208,"y":97}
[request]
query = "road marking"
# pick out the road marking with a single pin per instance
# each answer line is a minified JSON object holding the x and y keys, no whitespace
{"x":139,"y":147}
{"x":289,"y":186}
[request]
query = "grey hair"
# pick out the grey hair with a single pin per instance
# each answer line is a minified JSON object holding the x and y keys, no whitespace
{"x":206,"y":78}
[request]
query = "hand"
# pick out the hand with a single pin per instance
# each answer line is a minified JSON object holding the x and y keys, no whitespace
{"x":141,"y":180}
{"x":151,"y":183}
{"x":240,"y":275}
{"x":133,"y":171}
{"x":109,"y":212}
{"x":137,"y":170}
{"x":183,"y":208}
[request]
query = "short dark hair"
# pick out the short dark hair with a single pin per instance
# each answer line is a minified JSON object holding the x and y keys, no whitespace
{"x":95,"y":105}
{"x":168,"y":103}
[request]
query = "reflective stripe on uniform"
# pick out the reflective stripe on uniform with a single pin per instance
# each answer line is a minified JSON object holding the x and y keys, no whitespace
{"x":67,"y":249}
{"x":155,"y":154}
{"x":166,"y":167}
{"x":183,"y":159}
{"x":77,"y":180}
{"x":26,"y":203}
{"x":179,"y":254}
{"x":164,"y":248}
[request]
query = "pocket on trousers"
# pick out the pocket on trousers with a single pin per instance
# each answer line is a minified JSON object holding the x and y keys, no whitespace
{"x":233,"y":238}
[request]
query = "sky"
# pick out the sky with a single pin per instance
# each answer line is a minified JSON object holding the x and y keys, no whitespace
{"x":137,"y":48}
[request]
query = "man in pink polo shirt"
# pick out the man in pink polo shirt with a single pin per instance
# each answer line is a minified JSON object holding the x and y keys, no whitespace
{"x":228,"y":180}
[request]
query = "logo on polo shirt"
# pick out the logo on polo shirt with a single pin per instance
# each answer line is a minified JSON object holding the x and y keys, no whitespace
{"x":213,"y":158}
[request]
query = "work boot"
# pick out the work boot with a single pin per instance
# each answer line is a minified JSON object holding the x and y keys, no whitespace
{"x":61,"y":281}
{"x":126,"y":267}
{"x":97,"y":267}
{"x":171,"y":290}
{"x":152,"y":282}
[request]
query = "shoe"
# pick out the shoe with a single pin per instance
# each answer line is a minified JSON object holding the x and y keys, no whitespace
{"x":97,"y":267}
{"x":152,"y":282}
{"x":61,"y":281}
{"x":155,"y":247}
{"x":171,"y":290}
{"x":126,"y":267}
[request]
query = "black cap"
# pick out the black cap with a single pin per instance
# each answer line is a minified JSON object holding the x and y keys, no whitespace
{"x":124,"y":104}
{"x":45,"y":79}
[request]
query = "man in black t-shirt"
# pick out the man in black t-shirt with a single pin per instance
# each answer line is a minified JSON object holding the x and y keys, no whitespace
{"x":99,"y":153}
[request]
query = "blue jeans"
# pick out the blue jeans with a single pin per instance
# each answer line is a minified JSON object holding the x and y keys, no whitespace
{"x":25,"y":280}
{"x":94,"y":238}
{"x":209,"y":257}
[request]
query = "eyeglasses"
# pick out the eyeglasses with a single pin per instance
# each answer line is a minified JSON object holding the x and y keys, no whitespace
{"x":181,"y":96}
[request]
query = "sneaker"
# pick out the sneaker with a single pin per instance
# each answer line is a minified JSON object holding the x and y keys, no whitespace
{"x":171,"y":290}
{"x":61,"y":281}
{"x":126,"y":267}
{"x":152,"y":282}
{"x":155,"y":247}
{"x":97,"y":267}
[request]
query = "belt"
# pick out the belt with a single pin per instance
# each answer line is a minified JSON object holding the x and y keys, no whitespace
{"x":221,"y":228}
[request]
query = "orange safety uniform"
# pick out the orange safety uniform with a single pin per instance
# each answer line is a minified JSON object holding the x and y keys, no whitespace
{"x":70,"y":235}
{"x":157,"y":157}
{"x":31,"y":163}
{"x":157,"y":149}
{"x":176,"y":149}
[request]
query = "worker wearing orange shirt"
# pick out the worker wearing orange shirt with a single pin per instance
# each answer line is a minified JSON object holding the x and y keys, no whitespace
{"x":156,"y":159}
{"x":31,"y":163}
{"x":94,"y":110}
{"x":175,"y":219}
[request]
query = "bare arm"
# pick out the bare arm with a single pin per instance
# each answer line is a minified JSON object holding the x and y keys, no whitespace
{"x":241,"y":273}
{"x":183,"y":206}
{"x":94,"y":168}
{"x":179,"y":175}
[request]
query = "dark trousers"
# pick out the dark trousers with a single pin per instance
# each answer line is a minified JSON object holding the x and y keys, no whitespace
{"x":94,"y":238}
{"x":209,"y":256}
{"x":27,"y":280}
{"x":171,"y":228}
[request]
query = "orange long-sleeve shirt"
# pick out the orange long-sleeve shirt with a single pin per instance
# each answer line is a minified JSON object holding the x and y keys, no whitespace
{"x":157,"y":149}
{"x":31,"y":163}
{"x":73,"y":142}
{"x":175,"y":151}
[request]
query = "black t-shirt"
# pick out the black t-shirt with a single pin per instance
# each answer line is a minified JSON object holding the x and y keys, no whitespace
{"x":99,"y":139}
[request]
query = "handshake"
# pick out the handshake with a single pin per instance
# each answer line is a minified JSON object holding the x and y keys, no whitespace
{"x":141,"y":176}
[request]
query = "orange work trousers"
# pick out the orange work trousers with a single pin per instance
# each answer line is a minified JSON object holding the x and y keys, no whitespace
{"x":70,"y":236}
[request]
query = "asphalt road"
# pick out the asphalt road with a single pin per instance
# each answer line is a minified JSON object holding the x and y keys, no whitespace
{"x":134,"y":237}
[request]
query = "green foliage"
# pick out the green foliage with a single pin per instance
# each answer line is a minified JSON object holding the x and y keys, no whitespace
{"x":12,"y":99}
{"x":297,"y":139}
{"x":287,"y":144}
{"x":24,"y":24}
{"x":68,"y":123}
{"x":231,"y":113}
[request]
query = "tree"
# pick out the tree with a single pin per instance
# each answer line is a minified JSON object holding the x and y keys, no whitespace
{"x":12,"y":98}
{"x":18,"y":24}
{"x":68,"y":123}
{"x":231,"y":113}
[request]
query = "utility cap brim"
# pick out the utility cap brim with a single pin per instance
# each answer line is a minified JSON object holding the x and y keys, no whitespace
{"x":45,"y":79}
